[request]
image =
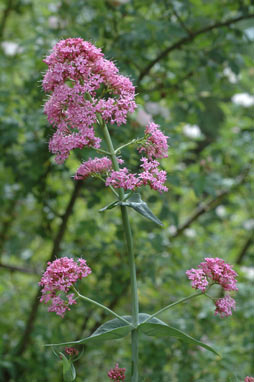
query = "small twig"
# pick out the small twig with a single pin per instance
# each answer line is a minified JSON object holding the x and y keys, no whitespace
{"x":245,"y":248}
{"x":14,"y":268}
{"x":204,"y":207}
{"x":189,"y":32}
{"x":186,"y":40}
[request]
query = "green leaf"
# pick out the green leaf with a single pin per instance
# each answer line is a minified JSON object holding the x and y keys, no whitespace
{"x":111,"y":330}
{"x":109,"y":206}
{"x":158,"y":328}
{"x":69,"y":372}
{"x":141,"y":207}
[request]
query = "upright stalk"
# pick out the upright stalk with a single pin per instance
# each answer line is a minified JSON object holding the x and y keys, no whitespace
{"x":129,"y":241}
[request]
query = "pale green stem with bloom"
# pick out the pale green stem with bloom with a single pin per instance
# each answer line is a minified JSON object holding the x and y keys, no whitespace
{"x":100,"y":306}
{"x":137,"y":140}
{"x":173,"y":304}
{"x":129,"y":241}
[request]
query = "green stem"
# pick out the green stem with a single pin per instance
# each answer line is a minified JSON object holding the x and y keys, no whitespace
{"x":112,"y":189}
{"x":129,"y":242}
{"x":173,"y":304}
{"x":100,"y":306}
{"x":101,"y":151}
{"x":127,"y":144}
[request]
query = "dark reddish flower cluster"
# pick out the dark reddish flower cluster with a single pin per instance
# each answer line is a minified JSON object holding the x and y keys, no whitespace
{"x":77,"y":70}
{"x":117,"y":374}
{"x":59,"y":276}
{"x":215,"y":271}
{"x":71,"y":351}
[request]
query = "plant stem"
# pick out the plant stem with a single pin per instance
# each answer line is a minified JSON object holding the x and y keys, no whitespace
{"x":100,"y":305}
{"x":127,"y":144}
{"x":173,"y":304}
{"x":129,"y":242}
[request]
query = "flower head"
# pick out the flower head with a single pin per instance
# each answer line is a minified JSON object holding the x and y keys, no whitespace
{"x":117,"y":374}
{"x":155,"y":145}
{"x":58,"y":278}
{"x":198,"y":278}
{"x":224,"y":306}
{"x":249,"y":379}
{"x":82,"y":83}
{"x":150,"y":175}
{"x":93,"y":166}
{"x":213,"y":270}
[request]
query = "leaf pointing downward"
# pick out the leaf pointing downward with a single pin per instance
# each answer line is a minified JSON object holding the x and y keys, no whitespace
{"x":158,"y":328}
{"x":141,"y":207}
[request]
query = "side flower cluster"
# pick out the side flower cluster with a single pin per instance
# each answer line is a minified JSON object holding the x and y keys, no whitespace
{"x":57,"y":280}
{"x":117,"y":374}
{"x":82,"y":83}
{"x":215,"y":271}
{"x":93,"y":166}
{"x":155,"y":146}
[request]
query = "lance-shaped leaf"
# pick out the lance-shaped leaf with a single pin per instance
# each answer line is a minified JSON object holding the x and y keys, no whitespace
{"x":69,"y":372}
{"x":141,"y":207}
{"x":111,"y":330}
{"x":158,"y":328}
{"x":109,"y":206}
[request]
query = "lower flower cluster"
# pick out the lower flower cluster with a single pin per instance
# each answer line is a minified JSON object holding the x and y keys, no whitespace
{"x":117,"y":374}
{"x":215,"y":271}
{"x":57,"y":280}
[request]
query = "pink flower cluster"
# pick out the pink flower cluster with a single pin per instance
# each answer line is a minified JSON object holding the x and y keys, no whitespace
{"x":224,"y":306}
{"x":117,"y":374}
{"x":59,"y":276}
{"x":215,"y":271}
{"x":150,"y":175}
{"x":93,"y":166}
{"x":82,"y":83}
{"x":155,"y":145}
{"x":249,"y":379}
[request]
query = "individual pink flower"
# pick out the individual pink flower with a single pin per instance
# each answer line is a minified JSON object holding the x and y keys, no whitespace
{"x":117,"y":374}
{"x":249,"y":379}
{"x":213,"y":270}
{"x":155,"y":144}
{"x":224,"y":306}
{"x":92,"y":167}
{"x":82,"y":83}
{"x":57,"y":280}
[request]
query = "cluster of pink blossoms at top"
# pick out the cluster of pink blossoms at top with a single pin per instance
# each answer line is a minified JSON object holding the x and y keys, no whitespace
{"x":215,"y":271}
{"x":117,"y":374}
{"x":76,"y":71}
{"x":59,"y":276}
{"x":150,"y":174}
{"x":84,"y":84}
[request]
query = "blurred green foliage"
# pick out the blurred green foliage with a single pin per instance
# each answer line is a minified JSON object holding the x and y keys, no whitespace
{"x":189,"y":59}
